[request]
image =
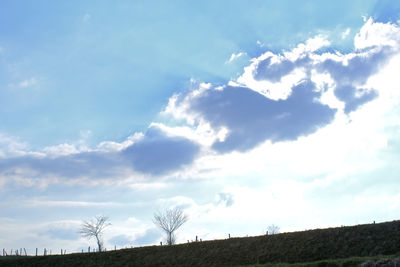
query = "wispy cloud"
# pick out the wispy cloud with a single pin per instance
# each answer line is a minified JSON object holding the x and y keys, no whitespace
{"x":346,"y":33}
{"x":236,"y":56}
{"x":24,"y":83}
{"x":56,"y":203}
{"x":11,"y":146}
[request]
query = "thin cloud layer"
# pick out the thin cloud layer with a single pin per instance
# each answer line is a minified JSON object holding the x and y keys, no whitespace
{"x":155,"y":153}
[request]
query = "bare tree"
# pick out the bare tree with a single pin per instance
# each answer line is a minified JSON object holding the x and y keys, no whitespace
{"x":169,"y":221}
{"x":273,"y":229}
{"x":95,"y":228}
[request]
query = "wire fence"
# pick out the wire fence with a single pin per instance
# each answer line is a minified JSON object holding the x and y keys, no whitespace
{"x":48,"y":252}
{"x":44,"y":252}
{"x":37,"y":252}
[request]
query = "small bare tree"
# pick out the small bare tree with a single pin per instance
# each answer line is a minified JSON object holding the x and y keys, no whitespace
{"x":169,"y":221}
{"x":273,"y":229}
{"x":95,"y":228}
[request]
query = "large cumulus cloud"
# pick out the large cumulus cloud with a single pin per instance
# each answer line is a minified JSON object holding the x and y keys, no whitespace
{"x":252,"y":118}
{"x":282,"y":97}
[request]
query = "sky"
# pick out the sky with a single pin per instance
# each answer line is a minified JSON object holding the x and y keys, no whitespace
{"x":243,"y":114}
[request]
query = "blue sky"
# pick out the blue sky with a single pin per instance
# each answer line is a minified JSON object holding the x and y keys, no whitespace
{"x":243,"y":114}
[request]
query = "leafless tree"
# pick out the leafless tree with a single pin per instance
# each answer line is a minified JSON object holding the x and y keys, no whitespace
{"x":273,"y":229}
{"x":169,"y":221}
{"x":95,"y":228}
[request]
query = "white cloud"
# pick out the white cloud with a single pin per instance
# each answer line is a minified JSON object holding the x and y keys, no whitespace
{"x":61,"y":150}
{"x":193,"y":126}
{"x":377,"y":34}
{"x":348,"y":131}
{"x":311,"y":45}
{"x":236,"y":56}
{"x":202,"y":134}
{"x":326,"y":85}
{"x":109,"y":146}
{"x":67,"y":203}
{"x":147,"y":186}
{"x":260,"y":44}
{"x":349,"y":145}
{"x":340,"y":82}
{"x":11,"y":146}
{"x":80,"y":146}
{"x":346,"y":33}
{"x":24,"y":83}
{"x":281,"y":88}
{"x":352,"y":145}
{"x":179,"y":110}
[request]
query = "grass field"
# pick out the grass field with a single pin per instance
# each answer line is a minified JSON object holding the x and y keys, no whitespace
{"x":343,"y":246}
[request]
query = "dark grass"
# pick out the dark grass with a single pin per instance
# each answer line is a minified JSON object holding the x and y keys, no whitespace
{"x":343,"y":246}
{"x":348,"y":262}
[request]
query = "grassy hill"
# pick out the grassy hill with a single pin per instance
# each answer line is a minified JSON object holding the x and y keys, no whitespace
{"x":342,"y":246}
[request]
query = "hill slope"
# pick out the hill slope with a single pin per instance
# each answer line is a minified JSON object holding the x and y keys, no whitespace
{"x":296,"y":247}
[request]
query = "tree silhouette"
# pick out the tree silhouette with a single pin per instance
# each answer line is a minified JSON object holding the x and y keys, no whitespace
{"x":169,"y":221}
{"x":273,"y":229}
{"x":95,"y":228}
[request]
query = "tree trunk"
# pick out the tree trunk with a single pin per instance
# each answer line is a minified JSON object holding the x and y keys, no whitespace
{"x":99,"y":243}
{"x":169,"y":238}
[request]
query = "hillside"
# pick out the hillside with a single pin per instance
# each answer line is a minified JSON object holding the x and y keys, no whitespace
{"x":295,"y":247}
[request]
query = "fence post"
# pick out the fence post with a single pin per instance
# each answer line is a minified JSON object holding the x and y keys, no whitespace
{"x":36,"y":251}
{"x":61,"y":252}
{"x":88,"y":250}
{"x":115,"y":247}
